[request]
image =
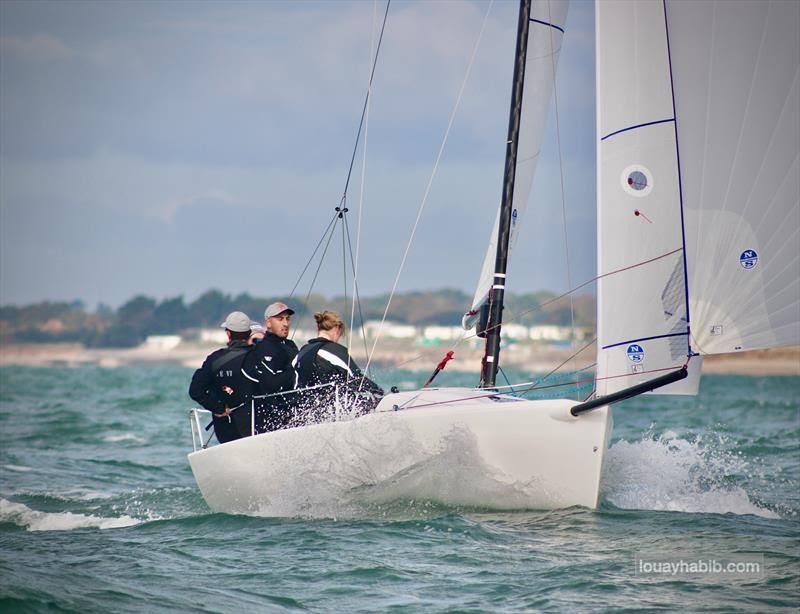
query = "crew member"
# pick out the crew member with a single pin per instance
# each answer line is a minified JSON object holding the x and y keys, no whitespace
{"x":269,"y":368}
{"x":323,"y":360}
{"x":219,"y":385}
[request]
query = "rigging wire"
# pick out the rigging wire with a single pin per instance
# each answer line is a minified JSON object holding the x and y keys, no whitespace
{"x":561,"y":172}
{"x":360,"y":210}
{"x":430,"y":182}
{"x":487,"y":393}
{"x":356,"y":294}
{"x":366,"y":101}
{"x":341,"y":209}
{"x":316,"y":273}
{"x":505,"y":377}
{"x":465,"y":336}
{"x":305,"y":268}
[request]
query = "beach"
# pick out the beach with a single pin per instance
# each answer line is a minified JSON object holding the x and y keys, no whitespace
{"x":393,"y":354}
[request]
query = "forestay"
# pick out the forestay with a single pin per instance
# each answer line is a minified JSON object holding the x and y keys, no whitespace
{"x":698,"y":185}
{"x":544,"y":45}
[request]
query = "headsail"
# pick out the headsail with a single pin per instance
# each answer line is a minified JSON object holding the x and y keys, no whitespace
{"x":697,"y":107}
{"x":544,"y":46}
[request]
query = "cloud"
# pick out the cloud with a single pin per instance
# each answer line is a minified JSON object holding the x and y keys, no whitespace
{"x":39,"y":48}
{"x":156,"y":149}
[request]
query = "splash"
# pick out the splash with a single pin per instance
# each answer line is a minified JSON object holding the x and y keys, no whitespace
{"x":34,"y":520}
{"x":669,"y":473}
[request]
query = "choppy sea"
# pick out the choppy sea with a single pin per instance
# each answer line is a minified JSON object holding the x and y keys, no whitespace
{"x":99,"y":512}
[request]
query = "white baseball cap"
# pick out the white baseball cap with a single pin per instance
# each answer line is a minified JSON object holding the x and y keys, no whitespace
{"x":276,"y":309}
{"x":237,"y":322}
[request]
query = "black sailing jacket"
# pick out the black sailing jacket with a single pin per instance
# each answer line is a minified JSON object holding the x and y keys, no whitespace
{"x":321,"y":361}
{"x":219,"y":383}
{"x":268,"y":366}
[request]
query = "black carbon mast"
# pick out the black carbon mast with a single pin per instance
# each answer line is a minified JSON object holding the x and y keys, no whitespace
{"x":496,"y":293}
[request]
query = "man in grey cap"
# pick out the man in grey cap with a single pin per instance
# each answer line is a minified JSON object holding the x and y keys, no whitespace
{"x":219,"y":385}
{"x":269,"y":368}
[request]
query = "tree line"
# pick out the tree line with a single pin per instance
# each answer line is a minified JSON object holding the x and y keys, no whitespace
{"x":142,"y":316}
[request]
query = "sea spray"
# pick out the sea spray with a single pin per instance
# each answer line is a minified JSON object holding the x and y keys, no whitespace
{"x":34,"y":520}
{"x":669,"y":473}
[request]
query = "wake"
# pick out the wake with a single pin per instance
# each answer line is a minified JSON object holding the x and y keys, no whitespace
{"x":669,"y":473}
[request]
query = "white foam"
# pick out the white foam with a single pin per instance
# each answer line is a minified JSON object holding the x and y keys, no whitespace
{"x":373,"y":467}
{"x":123,"y":437}
{"x":21,"y":468}
{"x":34,"y":520}
{"x":668,"y":473}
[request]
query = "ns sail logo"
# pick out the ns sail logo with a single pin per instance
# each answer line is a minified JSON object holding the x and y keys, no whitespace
{"x":748,"y":259}
{"x":635,"y":353}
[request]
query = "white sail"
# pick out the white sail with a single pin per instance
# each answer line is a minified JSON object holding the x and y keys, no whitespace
{"x":544,"y":45}
{"x":738,"y":120}
{"x":697,"y":116}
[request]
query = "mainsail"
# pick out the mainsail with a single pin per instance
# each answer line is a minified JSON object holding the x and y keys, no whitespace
{"x":698,"y":184}
{"x":544,"y":45}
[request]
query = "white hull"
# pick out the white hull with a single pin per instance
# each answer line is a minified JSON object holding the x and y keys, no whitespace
{"x":449,"y":446}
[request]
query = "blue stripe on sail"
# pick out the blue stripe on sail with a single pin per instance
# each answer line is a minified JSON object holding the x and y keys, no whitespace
{"x":680,"y":182}
{"x":658,"y":121}
{"x":613,"y":345}
{"x":544,"y":23}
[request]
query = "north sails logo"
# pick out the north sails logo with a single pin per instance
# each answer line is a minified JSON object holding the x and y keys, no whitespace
{"x":748,"y":259}
{"x":635,"y":353}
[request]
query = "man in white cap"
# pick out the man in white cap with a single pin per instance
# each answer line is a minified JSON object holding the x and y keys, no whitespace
{"x":269,"y":368}
{"x":219,"y":385}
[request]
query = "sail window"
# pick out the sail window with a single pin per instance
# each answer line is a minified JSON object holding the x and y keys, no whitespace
{"x":637,"y":180}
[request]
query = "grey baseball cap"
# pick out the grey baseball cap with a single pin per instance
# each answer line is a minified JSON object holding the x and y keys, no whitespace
{"x":276,"y":309}
{"x":237,"y":321}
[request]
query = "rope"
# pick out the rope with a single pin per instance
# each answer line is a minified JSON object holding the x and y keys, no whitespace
{"x":488,"y":392}
{"x":584,"y":284}
{"x":541,"y":379}
{"x":535,"y":384}
{"x":465,"y":336}
{"x":430,"y":182}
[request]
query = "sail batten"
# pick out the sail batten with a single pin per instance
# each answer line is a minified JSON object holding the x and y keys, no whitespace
{"x":652,"y":123}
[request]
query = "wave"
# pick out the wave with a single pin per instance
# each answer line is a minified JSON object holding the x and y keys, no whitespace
{"x":669,"y":473}
{"x":34,"y":520}
{"x":123,"y":437}
{"x":20,"y":468}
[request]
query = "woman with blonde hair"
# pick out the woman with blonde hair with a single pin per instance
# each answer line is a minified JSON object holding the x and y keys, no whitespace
{"x":323,"y":360}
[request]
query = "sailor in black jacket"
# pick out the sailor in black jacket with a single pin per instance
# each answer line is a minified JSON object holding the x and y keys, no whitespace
{"x":325,"y":361}
{"x":219,"y":385}
{"x":269,"y":369}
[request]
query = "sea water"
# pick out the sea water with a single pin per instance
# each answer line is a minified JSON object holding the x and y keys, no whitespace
{"x":99,"y":512}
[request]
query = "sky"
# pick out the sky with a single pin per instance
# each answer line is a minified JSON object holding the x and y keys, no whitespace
{"x":167,"y":148}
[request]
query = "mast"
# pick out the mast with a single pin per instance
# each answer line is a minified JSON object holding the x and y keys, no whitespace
{"x":496,"y":294}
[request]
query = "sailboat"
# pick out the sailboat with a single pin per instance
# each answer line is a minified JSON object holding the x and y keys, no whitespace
{"x":698,"y":221}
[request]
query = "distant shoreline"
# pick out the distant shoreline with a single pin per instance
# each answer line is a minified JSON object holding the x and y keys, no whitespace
{"x":778,"y":361}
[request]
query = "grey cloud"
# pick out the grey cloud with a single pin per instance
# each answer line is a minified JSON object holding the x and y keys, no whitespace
{"x":128,"y":130}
